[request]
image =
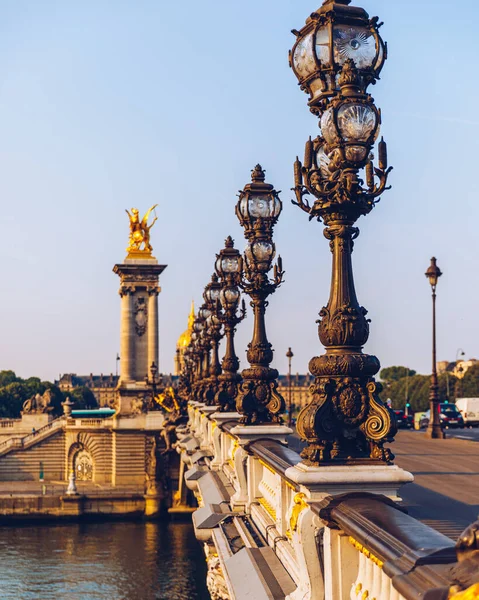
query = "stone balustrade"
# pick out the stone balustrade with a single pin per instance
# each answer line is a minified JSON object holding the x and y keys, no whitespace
{"x":9,"y":423}
{"x":26,"y":440}
{"x":275,"y":528}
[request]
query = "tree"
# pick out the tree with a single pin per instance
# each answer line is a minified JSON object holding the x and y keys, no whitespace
{"x":469,"y":384}
{"x":417,"y":388}
{"x":83,"y":398}
{"x":57,"y":397}
{"x":390,"y":374}
{"x":12,"y":397}
{"x":16,"y":390}
{"x":7,"y":377}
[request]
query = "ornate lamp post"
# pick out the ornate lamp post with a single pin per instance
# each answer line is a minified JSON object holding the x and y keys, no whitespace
{"x":153,"y":382}
{"x":337,"y":55}
{"x":258,"y":209}
{"x":434,"y":429}
{"x":213,"y":331}
{"x":204,"y":344}
{"x":199,"y":357}
{"x":289,"y":356}
{"x":229,"y":267}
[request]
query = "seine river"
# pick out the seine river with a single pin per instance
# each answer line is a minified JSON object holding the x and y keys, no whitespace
{"x":96,"y":561}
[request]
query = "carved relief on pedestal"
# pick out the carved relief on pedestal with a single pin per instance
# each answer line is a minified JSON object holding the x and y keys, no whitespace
{"x":114,"y":403}
{"x":138,"y":405}
{"x":141,"y":315}
{"x":215,"y":579}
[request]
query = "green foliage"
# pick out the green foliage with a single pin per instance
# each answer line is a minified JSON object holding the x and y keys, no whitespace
{"x":83,"y":398}
{"x":415,"y":388}
{"x":57,"y":397}
{"x":7,"y":377}
{"x":468,"y":386}
{"x":390,"y":374}
{"x":15,"y":390}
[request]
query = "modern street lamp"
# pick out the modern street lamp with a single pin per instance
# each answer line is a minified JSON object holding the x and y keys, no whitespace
{"x":229,"y":266}
{"x":258,"y":209}
{"x":434,"y":429}
{"x":337,"y":55}
{"x":289,"y":356}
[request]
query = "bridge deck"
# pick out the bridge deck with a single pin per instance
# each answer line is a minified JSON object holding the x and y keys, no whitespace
{"x":445,"y":494}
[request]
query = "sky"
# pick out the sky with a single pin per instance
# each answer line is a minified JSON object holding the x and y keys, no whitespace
{"x":112,"y":104}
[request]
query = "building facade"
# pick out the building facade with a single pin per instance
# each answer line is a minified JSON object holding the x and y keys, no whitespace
{"x":103,"y":387}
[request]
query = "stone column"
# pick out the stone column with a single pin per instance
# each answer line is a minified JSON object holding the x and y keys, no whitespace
{"x":153,"y":326}
{"x":126,"y":335}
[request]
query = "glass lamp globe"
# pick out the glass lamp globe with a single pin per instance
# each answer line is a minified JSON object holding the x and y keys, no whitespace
{"x":213,"y":294}
{"x":434,"y":272}
{"x":228,"y":260}
{"x":230,"y":264}
{"x":357,"y":122}
{"x":263,"y":251}
{"x":258,"y":201}
{"x":332,"y":35}
{"x":204,"y":313}
{"x":229,"y":297}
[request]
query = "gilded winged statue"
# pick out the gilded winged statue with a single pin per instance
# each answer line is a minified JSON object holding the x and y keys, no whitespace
{"x":140,"y":231}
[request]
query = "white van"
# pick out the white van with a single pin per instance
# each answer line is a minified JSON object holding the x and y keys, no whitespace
{"x":469,"y":409}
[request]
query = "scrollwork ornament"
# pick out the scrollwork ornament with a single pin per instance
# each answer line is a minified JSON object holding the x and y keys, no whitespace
{"x":380,"y":425}
{"x":141,"y":316}
{"x":226,"y":395}
{"x":259,"y":401}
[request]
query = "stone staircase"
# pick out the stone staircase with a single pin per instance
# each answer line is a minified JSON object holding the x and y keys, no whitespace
{"x":17,"y":443}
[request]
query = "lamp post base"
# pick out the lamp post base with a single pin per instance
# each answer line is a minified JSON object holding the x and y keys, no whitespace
{"x":435,"y":432}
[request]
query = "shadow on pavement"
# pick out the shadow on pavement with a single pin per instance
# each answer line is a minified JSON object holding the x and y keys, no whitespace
{"x":443,"y":513}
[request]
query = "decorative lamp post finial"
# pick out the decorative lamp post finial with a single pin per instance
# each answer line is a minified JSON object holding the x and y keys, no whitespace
{"x":258,"y":174}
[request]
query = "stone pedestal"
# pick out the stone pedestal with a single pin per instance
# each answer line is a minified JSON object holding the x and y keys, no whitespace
{"x":251,"y":433}
{"x":139,"y":289}
{"x":318,"y":482}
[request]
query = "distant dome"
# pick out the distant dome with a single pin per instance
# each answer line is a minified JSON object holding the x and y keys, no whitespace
{"x":185,"y":338}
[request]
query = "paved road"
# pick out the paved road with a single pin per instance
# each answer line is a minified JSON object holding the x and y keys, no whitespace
{"x":471,"y":434}
{"x":445,"y":493}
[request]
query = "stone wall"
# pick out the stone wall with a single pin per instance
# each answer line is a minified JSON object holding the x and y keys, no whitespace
{"x":129,"y":452}
{"x":24,"y":464}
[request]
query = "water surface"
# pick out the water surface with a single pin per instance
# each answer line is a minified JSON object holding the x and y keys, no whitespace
{"x":99,"y":561}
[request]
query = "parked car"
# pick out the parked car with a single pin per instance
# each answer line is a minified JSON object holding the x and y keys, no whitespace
{"x":469,"y":409}
{"x":449,"y":416}
{"x":403,"y":421}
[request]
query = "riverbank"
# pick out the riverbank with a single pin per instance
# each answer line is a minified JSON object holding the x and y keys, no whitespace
{"x":38,"y":501}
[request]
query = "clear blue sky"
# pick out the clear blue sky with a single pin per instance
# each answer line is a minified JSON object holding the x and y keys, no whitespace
{"x":109,"y":104}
